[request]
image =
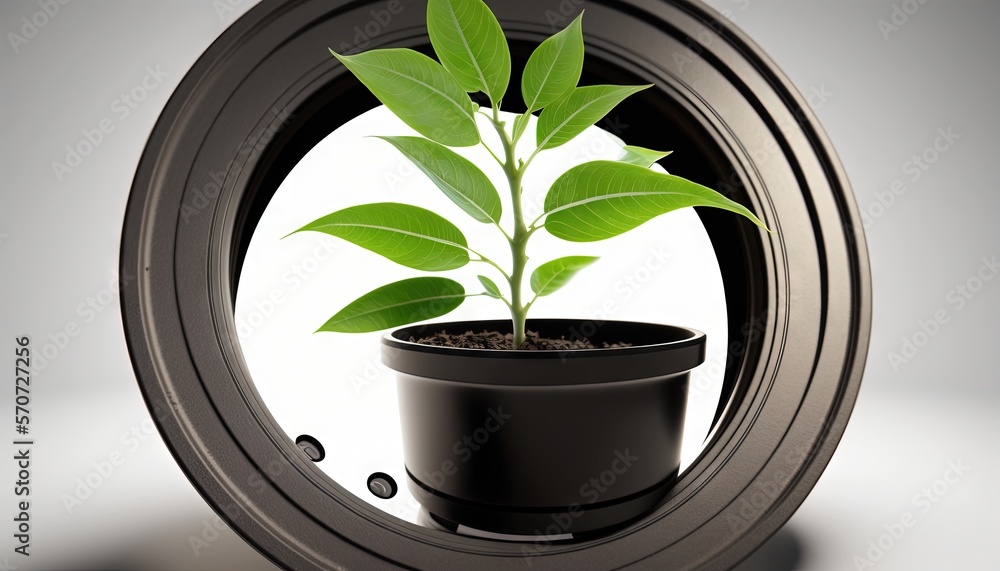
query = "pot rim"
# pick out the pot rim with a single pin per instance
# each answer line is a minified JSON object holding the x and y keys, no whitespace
{"x":691,"y":337}
{"x":683,"y":350}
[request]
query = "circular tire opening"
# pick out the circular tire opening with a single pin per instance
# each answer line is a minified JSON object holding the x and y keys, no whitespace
{"x":798,"y":302}
{"x":335,"y":386}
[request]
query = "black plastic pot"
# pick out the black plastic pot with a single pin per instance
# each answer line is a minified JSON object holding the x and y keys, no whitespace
{"x":543,"y":442}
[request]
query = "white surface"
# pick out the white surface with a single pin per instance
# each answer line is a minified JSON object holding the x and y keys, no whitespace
{"x":898,"y":445}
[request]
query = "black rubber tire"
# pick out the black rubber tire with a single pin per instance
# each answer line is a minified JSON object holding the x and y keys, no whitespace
{"x":267,"y":90}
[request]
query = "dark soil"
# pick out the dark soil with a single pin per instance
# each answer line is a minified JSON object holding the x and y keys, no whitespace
{"x":496,"y":340}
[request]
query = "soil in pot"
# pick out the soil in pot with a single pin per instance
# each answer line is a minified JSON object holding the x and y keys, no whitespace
{"x":497,"y":340}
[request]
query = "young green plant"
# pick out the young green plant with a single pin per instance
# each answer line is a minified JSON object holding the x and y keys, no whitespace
{"x":589,"y":202}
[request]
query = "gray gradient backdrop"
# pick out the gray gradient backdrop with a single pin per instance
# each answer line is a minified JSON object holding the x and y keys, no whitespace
{"x":882,"y":95}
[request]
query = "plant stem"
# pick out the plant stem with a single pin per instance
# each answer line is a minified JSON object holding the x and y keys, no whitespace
{"x":519,"y":241}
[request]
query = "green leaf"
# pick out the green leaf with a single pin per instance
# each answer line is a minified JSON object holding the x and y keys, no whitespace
{"x":602,"y":199}
{"x":408,"y":235}
{"x":491,"y":288}
{"x":456,"y":176}
{"x":577,"y":110}
{"x":399,"y":303}
{"x":470,"y":44}
{"x":554,"y":67}
{"x":419,"y":91}
{"x":641,"y":156}
{"x":552,"y":276}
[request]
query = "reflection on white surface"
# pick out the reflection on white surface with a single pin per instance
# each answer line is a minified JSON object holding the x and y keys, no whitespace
{"x":334,"y":387}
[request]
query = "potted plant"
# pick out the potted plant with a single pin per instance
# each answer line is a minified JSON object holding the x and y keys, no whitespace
{"x":518,"y":426}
